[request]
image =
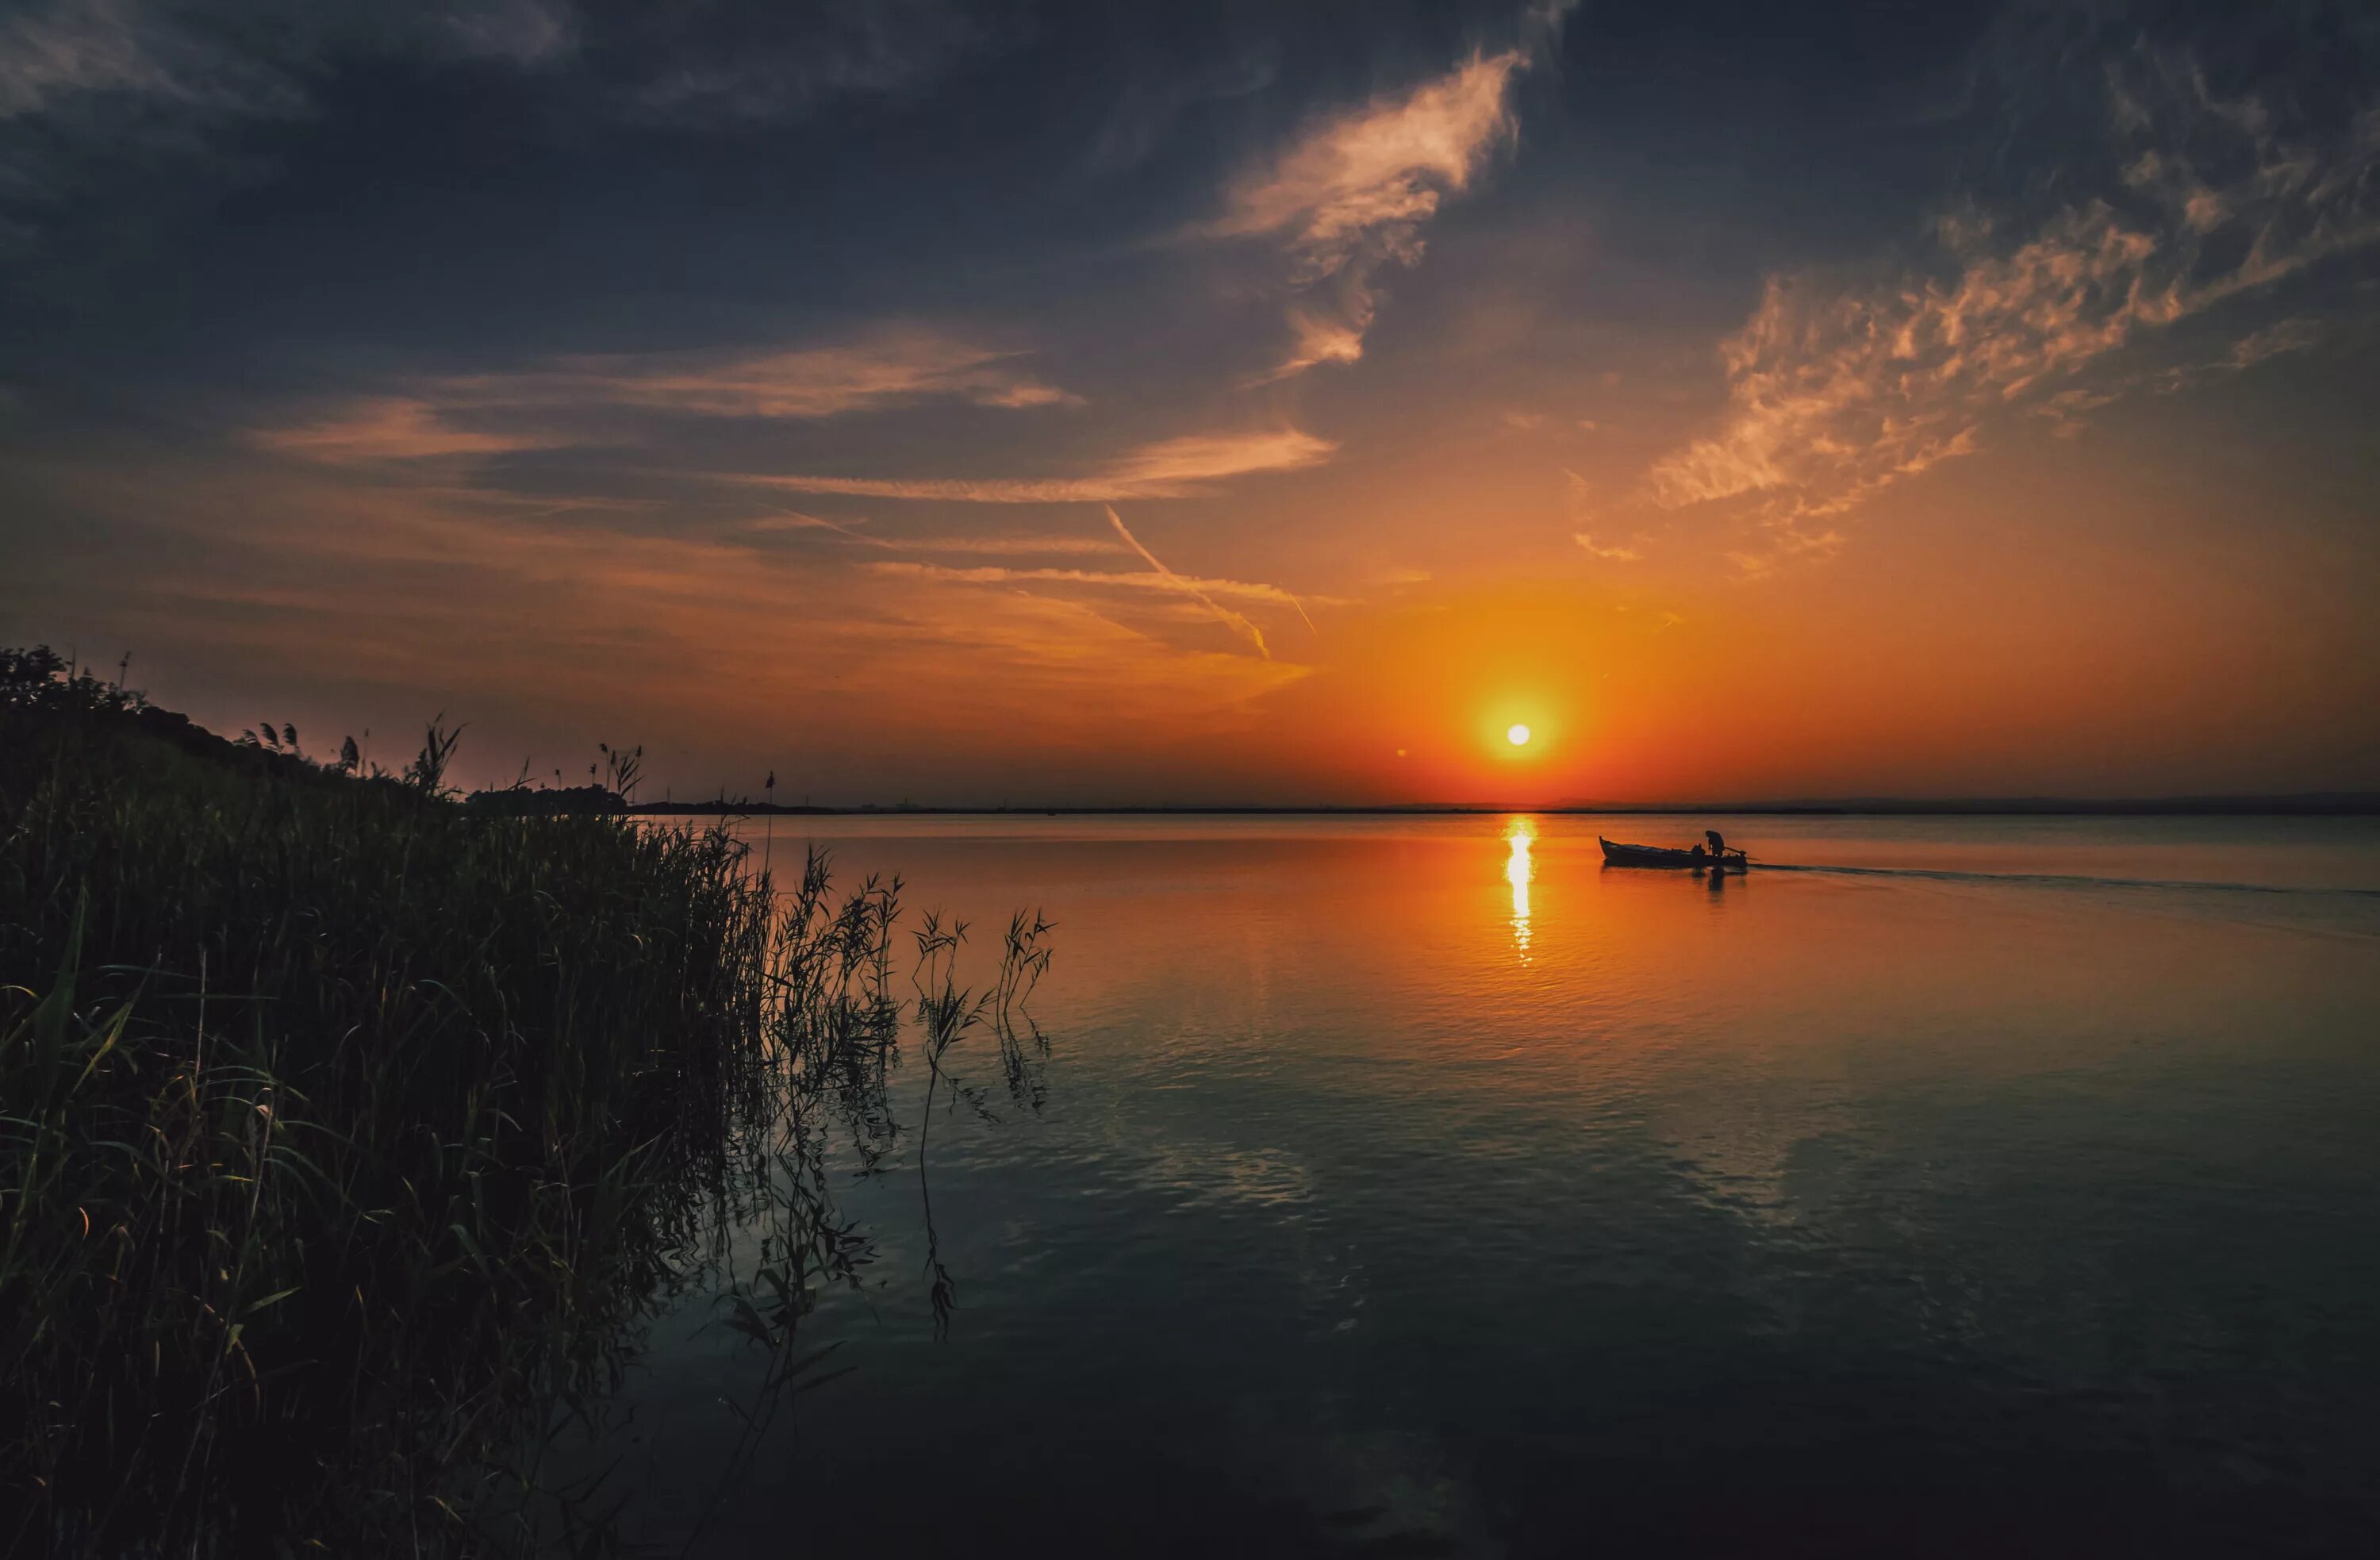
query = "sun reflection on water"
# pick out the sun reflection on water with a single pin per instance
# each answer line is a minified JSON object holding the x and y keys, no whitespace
{"x":1519,"y":834}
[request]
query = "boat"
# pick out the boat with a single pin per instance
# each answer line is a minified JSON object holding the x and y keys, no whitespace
{"x":1618,"y":855}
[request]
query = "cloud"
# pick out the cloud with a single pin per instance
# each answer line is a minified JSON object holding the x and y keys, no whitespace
{"x":1353,"y":192}
{"x":1160,"y":579}
{"x":1224,"y":614}
{"x":728,"y":65}
{"x":84,"y":83}
{"x":385,"y":428}
{"x":2279,"y":339}
{"x":1177,"y":468}
{"x":53,"y":54}
{"x":98,"y":97}
{"x":707,"y":64}
{"x":1022,"y":545}
{"x":1030,"y":544}
{"x":547,"y":406}
{"x":526,"y":32}
{"x":1153,"y":94}
{"x":1837,"y":391}
{"x":2067,"y":409}
{"x":1582,"y":507}
{"x":1270,"y":595}
{"x":470,"y":595}
{"x":809,"y":383}
{"x":1785,"y":543}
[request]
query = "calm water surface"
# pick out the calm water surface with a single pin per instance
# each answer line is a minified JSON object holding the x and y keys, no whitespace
{"x":1420,"y":1186}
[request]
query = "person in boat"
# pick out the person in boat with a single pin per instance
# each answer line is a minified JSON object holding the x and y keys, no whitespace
{"x":1697,"y":853}
{"x":1718,"y":845}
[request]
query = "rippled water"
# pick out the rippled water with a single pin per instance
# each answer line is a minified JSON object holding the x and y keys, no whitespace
{"x":1421,"y":1186}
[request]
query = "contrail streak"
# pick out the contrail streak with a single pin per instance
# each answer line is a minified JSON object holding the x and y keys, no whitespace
{"x":1223,"y":613}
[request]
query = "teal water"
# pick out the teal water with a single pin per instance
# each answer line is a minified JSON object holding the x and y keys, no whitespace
{"x":1421,"y":1186}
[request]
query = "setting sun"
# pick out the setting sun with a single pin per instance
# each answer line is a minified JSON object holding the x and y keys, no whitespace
{"x":1704,"y":660}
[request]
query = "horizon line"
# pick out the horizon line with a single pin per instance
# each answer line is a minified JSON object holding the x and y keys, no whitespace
{"x":2274,"y":804}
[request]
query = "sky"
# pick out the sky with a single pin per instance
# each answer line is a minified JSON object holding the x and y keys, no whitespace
{"x":1231,"y":403}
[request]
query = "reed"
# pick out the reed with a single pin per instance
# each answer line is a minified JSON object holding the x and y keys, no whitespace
{"x":346,"y":1133}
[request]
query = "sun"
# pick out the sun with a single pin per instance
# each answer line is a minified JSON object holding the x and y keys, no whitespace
{"x":1518,"y":735}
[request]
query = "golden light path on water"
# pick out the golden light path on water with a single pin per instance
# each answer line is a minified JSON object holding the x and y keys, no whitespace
{"x":1519,"y":834}
{"x":1949,"y":1059}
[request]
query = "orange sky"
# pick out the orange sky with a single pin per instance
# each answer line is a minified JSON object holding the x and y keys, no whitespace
{"x":1351,"y":421}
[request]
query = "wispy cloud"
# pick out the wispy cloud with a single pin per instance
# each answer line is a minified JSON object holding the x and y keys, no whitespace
{"x":52,"y":54}
{"x":600,"y":618}
{"x":1353,"y":193}
{"x":1014,"y":545}
{"x":1250,"y":591}
{"x":715,"y":64}
{"x":1025,"y":545}
{"x":385,"y":428}
{"x":1173,"y":469}
{"x":2279,"y":339}
{"x":2068,"y":410}
{"x":1208,"y":594}
{"x":547,"y":406}
{"x":169,"y":73}
{"x":166,"y":79}
{"x":1583,"y":508}
{"x":809,"y":383}
{"x":1836,"y":392}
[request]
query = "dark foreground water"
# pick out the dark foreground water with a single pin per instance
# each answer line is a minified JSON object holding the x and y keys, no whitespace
{"x":1423,"y":1187}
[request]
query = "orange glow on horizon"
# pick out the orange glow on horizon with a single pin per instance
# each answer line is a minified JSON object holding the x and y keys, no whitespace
{"x":1634,"y":685}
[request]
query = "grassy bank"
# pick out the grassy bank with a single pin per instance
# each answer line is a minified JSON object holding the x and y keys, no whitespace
{"x":348,"y":1131}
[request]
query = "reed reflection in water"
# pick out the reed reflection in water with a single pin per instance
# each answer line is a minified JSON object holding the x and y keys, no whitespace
{"x":1424,"y":1185}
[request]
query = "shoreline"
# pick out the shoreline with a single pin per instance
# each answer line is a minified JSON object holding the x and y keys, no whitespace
{"x":2319,"y":805}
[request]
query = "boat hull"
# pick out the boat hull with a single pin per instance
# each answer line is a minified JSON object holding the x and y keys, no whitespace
{"x":1619,"y":855}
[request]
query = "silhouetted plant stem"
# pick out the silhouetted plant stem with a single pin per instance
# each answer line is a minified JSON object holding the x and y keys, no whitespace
{"x":351,"y":1134}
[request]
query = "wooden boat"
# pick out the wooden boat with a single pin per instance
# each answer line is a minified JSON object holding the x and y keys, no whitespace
{"x":1618,"y":855}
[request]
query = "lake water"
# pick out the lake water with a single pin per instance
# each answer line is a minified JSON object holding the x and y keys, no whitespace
{"x":1415,"y":1186}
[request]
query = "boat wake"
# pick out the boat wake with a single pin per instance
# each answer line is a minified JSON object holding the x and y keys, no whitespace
{"x":2070,"y":879}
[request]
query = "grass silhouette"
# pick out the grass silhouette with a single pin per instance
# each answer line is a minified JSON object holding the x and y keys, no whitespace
{"x":346,"y":1132}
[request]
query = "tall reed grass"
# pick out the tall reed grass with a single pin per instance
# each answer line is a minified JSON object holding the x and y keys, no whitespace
{"x":348,"y":1133}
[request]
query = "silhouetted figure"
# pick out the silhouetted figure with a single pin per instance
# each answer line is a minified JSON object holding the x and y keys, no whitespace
{"x":1697,"y":853}
{"x":1717,"y":845}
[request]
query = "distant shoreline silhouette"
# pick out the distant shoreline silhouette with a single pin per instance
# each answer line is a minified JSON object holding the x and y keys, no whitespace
{"x":2327,"y":804}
